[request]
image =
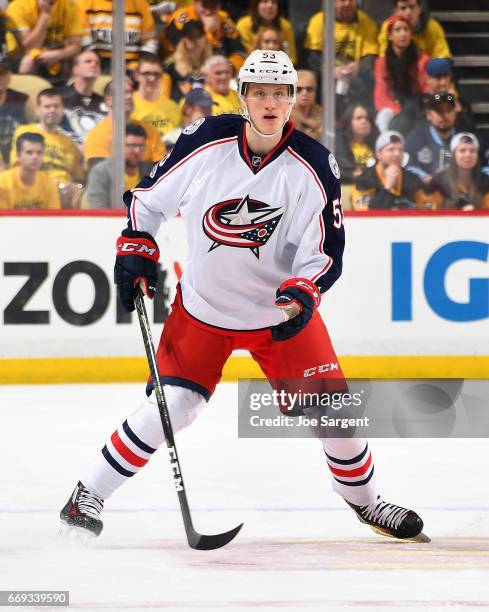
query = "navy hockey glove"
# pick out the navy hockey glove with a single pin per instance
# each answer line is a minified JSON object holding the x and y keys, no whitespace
{"x":136,"y":261}
{"x":298,"y":298}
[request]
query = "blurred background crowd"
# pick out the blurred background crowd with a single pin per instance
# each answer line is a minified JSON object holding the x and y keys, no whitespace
{"x":411,"y":93}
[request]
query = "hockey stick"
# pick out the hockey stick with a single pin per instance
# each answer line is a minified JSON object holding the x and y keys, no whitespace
{"x":195,"y":539}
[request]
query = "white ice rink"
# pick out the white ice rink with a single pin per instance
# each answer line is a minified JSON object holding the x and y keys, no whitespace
{"x":300,"y":549}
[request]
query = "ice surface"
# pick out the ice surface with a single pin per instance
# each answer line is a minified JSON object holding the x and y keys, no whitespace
{"x":301,"y":548}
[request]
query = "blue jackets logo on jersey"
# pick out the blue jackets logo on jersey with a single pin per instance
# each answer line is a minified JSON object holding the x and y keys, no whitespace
{"x":243,"y":223}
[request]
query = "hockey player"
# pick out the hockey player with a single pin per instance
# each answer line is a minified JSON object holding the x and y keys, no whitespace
{"x":261,"y":205}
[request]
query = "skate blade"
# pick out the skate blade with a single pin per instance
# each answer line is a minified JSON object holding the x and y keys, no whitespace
{"x":74,"y":534}
{"x":420,"y":538}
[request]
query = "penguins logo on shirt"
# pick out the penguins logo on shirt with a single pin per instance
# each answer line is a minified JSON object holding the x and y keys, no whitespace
{"x":242,"y":223}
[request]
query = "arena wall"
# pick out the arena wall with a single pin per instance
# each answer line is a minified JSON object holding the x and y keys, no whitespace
{"x":413,"y":300}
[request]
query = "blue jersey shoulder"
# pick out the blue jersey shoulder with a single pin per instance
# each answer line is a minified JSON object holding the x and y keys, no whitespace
{"x":193,"y":137}
{"x":209,"y":129}
{"x":319,"y":158}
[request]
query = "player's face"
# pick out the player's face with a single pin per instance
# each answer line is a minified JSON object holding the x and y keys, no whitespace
{"x":50,"y":110}
{"x":270,"y":41}
{"x":345,"y":10}
{"x":149,"y":76}
{"x":134,"y":150}
{"x":267,"y":10}
{"x":87,"y":65}
{"x":306,"y":90}
{"x":400,"y":35}
{"x":466,"y":155}
{"x":268,"y":106}
{"x":360,"y":122}
{"x":218,"y":77}
{"x":31,"y":156}
{"x":391,"y":154}
{"x":439,"y":84}
{"x":443,"y":116}
{"x":410,"y":9}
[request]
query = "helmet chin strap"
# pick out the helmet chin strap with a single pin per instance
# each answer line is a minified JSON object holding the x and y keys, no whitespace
{"x":247,"y":117}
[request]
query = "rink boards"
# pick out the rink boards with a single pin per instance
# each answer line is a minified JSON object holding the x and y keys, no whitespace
{"x":413,"y":300}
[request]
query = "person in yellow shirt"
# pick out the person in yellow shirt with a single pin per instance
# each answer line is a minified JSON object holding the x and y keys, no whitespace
{"x":26,"y":186}
{"x":218,"y":73}
{"x":220,"y":29}
{"x":356,"y":49}
{"x":99,"y":187}
{"x":43,"y":34}
{"x":428,"y":35}
{"x":266,"y":13}
{"x":98,"y":144}
{"x":151,"y":104}
{"x":139,"y":30}
{"x":62,"y":159}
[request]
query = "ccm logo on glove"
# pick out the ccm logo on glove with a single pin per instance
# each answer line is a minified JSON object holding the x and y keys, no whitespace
{"x":143,"y":247}
{"x":135,"y":264}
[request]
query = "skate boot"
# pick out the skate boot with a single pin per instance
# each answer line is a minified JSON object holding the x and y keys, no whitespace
{"x":391,"y":520}
{"x":81,"y":514}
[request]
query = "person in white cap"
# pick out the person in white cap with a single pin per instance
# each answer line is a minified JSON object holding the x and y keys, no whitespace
{"x":261,"y":205}
{"x":387,"y":185}
{"x":462,"y":184}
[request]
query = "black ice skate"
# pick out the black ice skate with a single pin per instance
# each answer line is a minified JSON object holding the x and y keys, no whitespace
{"x":391,"y":520}
{"x":81,"y":514}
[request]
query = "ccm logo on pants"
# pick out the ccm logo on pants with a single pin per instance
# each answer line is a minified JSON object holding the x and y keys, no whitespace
{"x":320,"y":369}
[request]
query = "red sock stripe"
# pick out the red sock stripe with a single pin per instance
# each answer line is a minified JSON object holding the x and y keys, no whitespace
{"x":355,"y":472}
{"x":126,"y":452}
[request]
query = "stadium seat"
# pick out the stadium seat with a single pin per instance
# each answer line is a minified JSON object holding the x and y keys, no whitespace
{"x":31,"y":85}
{"x":346,"y":192}
{"x":100,"y":83}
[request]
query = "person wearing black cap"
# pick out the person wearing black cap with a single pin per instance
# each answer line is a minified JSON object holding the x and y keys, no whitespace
{"x":387,"y":185}
{"x":438,"y":81}
{"x":12,"y":112}
{"x":198,"y":104}
{"x":219,"y":28}
{"x":186,"y":64}
{"x":428,"y":145}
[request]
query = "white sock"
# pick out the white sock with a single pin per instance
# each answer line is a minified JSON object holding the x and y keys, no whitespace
{"x":131,"y":445}
{"x":352,"y":467}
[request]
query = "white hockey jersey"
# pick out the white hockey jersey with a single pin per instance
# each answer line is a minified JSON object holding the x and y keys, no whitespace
{"x":251,"y":223}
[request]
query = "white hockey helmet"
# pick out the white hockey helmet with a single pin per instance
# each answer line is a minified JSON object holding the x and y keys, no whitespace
{"x":268,"y":67}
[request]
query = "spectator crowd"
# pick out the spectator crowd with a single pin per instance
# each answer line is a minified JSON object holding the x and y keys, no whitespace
{"x":405,"y":138}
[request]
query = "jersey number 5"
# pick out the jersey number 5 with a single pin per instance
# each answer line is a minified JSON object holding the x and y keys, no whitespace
{"x":337,"y":213}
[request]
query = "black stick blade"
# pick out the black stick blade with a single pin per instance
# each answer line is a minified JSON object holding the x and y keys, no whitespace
{"x":211,"y":542}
